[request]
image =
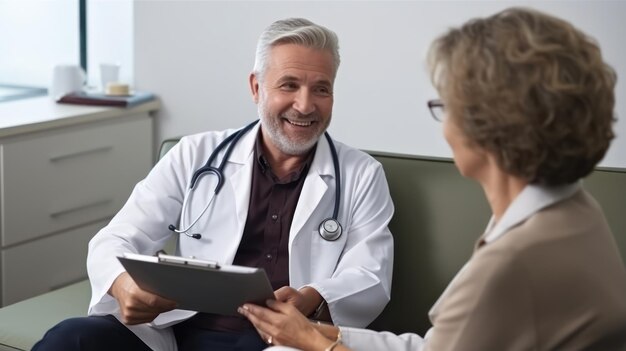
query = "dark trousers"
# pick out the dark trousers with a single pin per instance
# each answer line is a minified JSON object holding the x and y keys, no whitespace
{"x":95,"y":333}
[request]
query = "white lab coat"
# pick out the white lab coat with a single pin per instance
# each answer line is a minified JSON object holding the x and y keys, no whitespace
{"x":353,"y":274}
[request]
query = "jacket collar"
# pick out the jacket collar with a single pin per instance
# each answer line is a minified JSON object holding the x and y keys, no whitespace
{"x":531,"y":200}
{"x":245,"y":146}
{"x":323,"y":161}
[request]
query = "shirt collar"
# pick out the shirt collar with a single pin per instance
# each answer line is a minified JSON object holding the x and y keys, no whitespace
{"x":265,"y":166}
{"x":531,"y":200}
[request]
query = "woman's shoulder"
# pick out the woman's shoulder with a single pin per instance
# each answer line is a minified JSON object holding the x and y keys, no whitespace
{"x":570,"y":238}
{"x":577,"y":219}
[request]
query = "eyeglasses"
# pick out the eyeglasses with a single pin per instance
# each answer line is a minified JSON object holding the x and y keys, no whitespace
{"x":437,"y":110}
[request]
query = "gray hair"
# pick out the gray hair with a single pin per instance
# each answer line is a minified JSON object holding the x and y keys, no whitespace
{"x":298,"y":31}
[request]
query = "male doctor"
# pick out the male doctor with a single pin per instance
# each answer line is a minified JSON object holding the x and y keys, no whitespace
{"x":279,"y":186}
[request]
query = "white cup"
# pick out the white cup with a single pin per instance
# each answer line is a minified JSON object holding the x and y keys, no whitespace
{"x":109,"y":73}
{"x":66,"y":79}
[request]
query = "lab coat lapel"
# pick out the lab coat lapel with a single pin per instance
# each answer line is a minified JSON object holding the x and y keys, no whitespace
{"x":314,"y":187}
{"x":241,"y":180}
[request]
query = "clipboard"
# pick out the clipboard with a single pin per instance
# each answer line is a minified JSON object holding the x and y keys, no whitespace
{"x":199,"y":285}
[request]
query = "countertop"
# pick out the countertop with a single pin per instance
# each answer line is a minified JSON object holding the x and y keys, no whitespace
{"x":41,"y":113}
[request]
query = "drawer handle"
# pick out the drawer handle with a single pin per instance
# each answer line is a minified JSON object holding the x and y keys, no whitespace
{"x":80,"y":153}
{"x":80,"y":208}
{"x":68,"y":283}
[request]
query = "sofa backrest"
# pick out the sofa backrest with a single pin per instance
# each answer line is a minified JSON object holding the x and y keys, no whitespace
{"x":439,"y":215}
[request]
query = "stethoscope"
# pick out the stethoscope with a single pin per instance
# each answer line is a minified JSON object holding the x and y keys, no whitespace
{"x":329,"y":229}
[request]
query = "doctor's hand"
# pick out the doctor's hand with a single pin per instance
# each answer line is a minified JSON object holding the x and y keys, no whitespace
{"x":305,"y":300}
{"x":137,"y":306}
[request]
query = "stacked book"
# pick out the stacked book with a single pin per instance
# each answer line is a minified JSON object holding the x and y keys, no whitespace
{"x":101,"y":99}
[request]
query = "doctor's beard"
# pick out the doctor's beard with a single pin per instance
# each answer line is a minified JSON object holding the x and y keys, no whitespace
{"x":285,"y":143}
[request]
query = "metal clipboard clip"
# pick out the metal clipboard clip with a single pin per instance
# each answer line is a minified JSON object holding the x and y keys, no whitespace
{"x":187,"y":261}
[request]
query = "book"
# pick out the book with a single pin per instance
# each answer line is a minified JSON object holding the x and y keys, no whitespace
{"x":100,"y":99}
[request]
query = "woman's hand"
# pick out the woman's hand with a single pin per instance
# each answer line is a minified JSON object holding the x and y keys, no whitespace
{"x":285,"y":325}
{"x":136,"y":305}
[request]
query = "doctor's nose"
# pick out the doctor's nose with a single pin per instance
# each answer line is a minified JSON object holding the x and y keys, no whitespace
{"x":304,"y":102}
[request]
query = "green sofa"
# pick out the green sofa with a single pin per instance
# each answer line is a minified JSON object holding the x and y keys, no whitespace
{"x":438,"y":217}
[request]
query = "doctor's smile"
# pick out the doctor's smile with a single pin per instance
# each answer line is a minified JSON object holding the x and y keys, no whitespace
{"x":298,"y":123}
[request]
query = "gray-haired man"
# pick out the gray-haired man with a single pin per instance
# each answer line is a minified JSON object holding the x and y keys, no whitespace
{"x":312,"y":212}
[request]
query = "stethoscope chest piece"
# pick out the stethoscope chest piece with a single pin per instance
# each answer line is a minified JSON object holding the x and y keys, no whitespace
{"x":330,"y":229}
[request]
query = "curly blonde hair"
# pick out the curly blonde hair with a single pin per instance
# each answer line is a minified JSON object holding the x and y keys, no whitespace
{"x":531,"y":89}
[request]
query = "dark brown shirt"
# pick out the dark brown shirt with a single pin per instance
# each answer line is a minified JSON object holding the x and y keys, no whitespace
{"x":266,"y":234}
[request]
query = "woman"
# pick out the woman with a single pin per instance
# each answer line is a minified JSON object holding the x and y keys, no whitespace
{"x":527,"y":108}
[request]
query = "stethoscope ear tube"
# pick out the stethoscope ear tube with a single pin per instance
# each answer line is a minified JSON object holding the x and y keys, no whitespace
{"x":195,"y":235}
{"x":330,"y":228}
{"x":230,"y":141}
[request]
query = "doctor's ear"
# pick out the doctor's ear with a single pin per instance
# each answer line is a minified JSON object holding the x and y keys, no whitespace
{"x":254,"y":87}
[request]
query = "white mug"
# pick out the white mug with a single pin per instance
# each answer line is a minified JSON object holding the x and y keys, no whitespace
{"x":66,"y":79}
{"x":109,"y":73}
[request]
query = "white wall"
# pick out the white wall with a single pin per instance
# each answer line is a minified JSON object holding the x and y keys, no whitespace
{"x":197,"y":56}
{"x":109,"y":38}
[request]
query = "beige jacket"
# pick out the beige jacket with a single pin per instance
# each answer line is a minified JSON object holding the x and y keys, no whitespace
{"x":554,"y":282}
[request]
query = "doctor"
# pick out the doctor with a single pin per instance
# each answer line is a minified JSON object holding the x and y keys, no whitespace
{"x":280,"y":183}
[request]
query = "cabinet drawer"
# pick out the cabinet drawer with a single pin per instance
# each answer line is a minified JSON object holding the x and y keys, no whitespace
{"x":64,"y":179}
{"x":40,"y":266}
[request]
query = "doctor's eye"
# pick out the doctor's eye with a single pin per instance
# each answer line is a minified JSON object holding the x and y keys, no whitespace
{"x":289,"y":86}
{"x":323,"y":90}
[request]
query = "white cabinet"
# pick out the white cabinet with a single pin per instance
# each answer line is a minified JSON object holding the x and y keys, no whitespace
{"x":46,"y":264}
{"x":58,"y":187}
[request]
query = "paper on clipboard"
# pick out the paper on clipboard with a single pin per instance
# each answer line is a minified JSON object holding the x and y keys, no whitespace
{"x":199,"y":285}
